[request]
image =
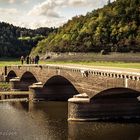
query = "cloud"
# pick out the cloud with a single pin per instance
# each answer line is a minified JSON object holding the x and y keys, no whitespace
{"x":8,"y":11}
{"x":80,"y":3}
{"x":46,"y":14}
{"x":51,"y":7}
{"x":47,"y":23}
{"x":14,"y":1}
{"x":47,"y":8}
{"x":39,"y":23}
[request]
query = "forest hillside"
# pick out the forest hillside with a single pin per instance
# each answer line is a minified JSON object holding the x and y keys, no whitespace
{"x":17,"y":41}
{"x":113,"y":28}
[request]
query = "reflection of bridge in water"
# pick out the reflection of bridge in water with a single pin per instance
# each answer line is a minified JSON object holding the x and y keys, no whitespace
{"x":108,"y":92}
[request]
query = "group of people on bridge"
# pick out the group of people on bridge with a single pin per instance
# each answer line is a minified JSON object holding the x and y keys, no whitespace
{"x":29,"y":60}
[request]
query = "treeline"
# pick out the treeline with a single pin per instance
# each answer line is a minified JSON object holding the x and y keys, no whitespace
{"x":16,"y":41}
{"x":113,"y":28}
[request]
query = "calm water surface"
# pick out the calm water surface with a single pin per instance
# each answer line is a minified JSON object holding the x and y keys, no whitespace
{"x":48,"y":121}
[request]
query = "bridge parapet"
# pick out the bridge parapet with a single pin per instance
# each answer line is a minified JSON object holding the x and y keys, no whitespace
{"x":132,"y":75}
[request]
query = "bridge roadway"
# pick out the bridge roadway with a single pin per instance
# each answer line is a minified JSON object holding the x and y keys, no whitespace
{"x":103,"y":68}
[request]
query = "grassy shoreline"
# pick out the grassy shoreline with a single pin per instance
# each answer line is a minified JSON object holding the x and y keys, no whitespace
{"x":120,"y":60}
{"x":134,"y":65}
{"x":4,"y":86}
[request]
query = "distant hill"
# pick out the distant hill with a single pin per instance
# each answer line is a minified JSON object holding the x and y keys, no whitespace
{"x":113,"y":28}
{"x":16,"y":41}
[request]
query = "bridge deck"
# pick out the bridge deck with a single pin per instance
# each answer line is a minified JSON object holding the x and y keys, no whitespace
{"x":102,"y":68}
{"x":86,"y":67}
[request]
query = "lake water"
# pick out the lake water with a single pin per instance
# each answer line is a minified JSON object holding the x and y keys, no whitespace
{"x":48,"y":121}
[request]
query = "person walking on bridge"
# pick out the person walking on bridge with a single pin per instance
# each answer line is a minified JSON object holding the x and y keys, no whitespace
{"x":37,"y":59}
{"x":22,"y":59}
{"x":27,"y":59}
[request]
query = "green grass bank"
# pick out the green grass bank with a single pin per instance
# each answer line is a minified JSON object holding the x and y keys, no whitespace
{"x":121,"y":60}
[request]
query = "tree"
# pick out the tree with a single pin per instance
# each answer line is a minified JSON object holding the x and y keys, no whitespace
{"x":115,"y":27}
{"x":108,"y":2}
{"x":15,"y":41}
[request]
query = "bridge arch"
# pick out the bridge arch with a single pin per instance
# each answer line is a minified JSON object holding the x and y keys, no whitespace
{"x":116,"y":93}
{"x":60,"y":88}
{"x":27,"y":79}
{"x":28,"y":76}
{"x":11,"y":75}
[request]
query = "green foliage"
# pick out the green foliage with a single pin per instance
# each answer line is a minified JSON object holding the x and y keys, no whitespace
{"x":24,"y":38}
{"x":4,"y":86}
{"x":115,"y":27}
{"x":16,"y":41}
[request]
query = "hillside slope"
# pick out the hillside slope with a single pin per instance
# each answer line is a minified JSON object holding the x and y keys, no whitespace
{"x":115,"y":27}
{"x":16,"y":41}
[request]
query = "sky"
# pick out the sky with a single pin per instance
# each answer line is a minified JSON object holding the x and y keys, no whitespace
{"x":45,"y":13}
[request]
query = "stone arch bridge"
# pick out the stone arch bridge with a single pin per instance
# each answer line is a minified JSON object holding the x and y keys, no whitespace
{"x":93,"y":93}
{"x":62,"y":82}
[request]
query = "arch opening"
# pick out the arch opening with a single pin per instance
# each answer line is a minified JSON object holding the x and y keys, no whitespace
{"x":26,"y":80}
{"x":58,"y":88}
{"x":116,"y":104}
{"x":117,"y":93}
{"x":10,"y":75}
